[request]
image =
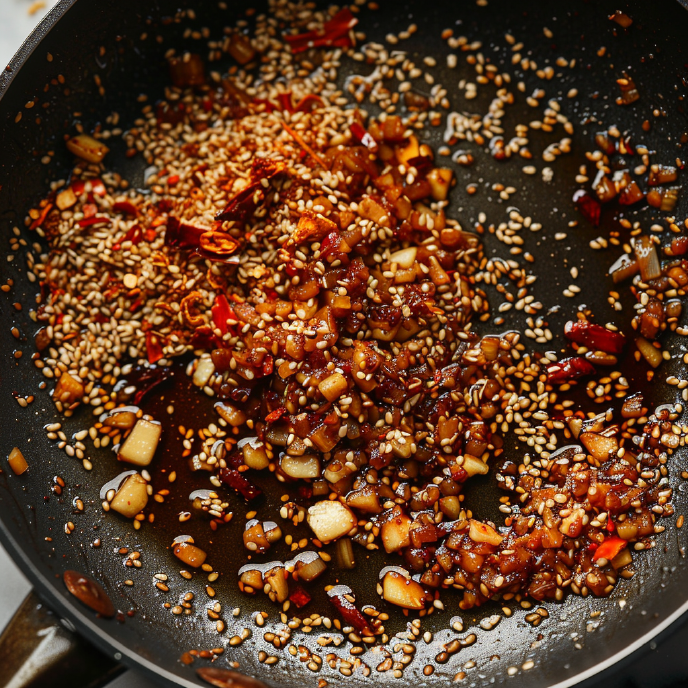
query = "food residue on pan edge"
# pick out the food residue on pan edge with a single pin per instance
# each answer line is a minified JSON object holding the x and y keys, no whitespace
{"x":302,"y":249}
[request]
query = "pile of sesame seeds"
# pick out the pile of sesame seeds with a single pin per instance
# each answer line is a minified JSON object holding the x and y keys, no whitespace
{"x":141,"y":300}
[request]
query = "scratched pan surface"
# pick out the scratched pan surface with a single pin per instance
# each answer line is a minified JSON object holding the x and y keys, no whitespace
{"x":565,"y":647}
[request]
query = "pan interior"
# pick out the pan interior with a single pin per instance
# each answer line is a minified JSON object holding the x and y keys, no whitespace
{"x":579,"y":633}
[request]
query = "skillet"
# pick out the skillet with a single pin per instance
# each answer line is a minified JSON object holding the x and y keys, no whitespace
{"x":87,"y":39}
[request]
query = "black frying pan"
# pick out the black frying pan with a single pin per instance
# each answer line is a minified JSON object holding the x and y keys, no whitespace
{"x":89,"y":39}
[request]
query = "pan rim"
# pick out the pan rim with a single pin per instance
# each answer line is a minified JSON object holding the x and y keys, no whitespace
{"x":31,"y":42}
{"x":81,"y":620}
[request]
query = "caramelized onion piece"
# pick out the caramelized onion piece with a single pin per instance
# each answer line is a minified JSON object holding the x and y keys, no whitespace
{"x":648,"y":261}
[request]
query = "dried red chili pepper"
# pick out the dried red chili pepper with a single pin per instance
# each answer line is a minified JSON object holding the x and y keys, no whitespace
{"x":275,"y":415}
{"x":134,"y":234}
{"x":569,"y":369}
{"x":422,"y":163}
{"x":89,"y":210}
{"x":97,"y":187}
{"x":308,"y":102}
{"x":96,"y":219}
{"x":213,"y":245}
{"x":153,"y":348}
{"x":218,"y":244}
{"x":349,"y":612}
{"x":300,"y":598}
{"x":221,"y":312}
{"x":238,"y":482}
{"x":588,"y":206}
{"x":41,"y":218}
{"x":363,"y":137}
{"x":334,"y":34}
{"x":243,"y":204}
{"x":284,"y":100}
{"x":126,"y":207}
{"x":147,"y":379}
{"x":609,"y":548}
{"x":594,"y":336}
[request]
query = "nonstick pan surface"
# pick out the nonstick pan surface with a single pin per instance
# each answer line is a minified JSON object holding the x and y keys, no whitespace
{"x":89,"y":39}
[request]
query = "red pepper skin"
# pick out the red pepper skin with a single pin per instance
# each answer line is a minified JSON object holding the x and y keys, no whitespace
{"x":135,"y":234}
{"x":351,"y":614}
{"x":126,"y":207}
{"x":588,"y":206}
{"x":275,"y":415}
{"x":300,"y":598}
{"x":308,"y":103}
{"x":422,"y":163}
{"x":41,"y":218}
{"x":221,"y":312}
{"x":285,"y":103}
{"x":237,"y":481}
{"x":243,"y":204}
{"x":569,"y":369}
{"x":611,"y":546}
{"x":335,"y":34}
{"x":594,"y":336}
{"x":153,"y":348}
{"x":181,"y":234}
{"x":363,"y":137}
{"x":94,"y":220}
{"x":97,"y":187}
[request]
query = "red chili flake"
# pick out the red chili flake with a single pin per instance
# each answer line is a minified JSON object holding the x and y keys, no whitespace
{"x":221,"y":312}
{"x":594,"y":336}
{"x":422,"y":163}
{"x":610,"y":525}
{"x":213,"y":245}
{"x":41,"y":218}
{"x":285,"y":102}
{"x":609,"y":548}
{"x":238,"y":482}
{"x":153,"y":347}
{"x":243,"y":204}
{"x":173,"y":179}
{"x":363,"y":137}
{"x":135,"y":234}
{"x":335,"y":33}
{"x":308,"y":103}
{"x":588,"y":206}
{"x":625,"y":146}
{"x":89,"y":209}
{"x":95,"y":220}
{"x":126,"y":207}
{"x":268,"y":365}
{"x":350,"y":613}
{"x":97,"y":187}
{"x":300,"y":598}
{"x":275,"y":415}
{"x":330,"y":244}
{"x":569,"y":369}
{"x":204,"y":339}
{"x":78,"y":186}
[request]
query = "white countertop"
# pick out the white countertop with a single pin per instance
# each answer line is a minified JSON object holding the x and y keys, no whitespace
{"x":16,"y":23}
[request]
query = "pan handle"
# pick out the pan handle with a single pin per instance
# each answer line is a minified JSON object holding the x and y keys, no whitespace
{"x":37,"y":650}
